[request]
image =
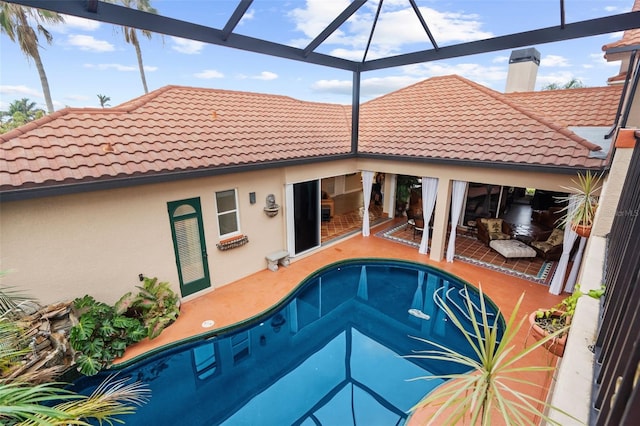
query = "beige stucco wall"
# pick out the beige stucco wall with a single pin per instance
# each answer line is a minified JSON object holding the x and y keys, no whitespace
{"x":59,"y":248}
{"x":97,"y":243}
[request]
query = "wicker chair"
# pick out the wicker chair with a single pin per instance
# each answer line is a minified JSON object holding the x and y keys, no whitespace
{"x":493,"y":229}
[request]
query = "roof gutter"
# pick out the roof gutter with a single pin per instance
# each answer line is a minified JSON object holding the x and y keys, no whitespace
{"x":564,"y":170}
{"x":55,"y":190}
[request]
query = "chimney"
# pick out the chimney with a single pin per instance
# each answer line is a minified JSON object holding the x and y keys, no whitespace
{"x":523,"y":69}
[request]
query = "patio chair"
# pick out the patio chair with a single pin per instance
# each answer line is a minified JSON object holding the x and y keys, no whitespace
{"x":549,"y":244}
{"x":493,"y":229}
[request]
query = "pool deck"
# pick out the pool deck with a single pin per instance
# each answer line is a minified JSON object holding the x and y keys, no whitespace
{"x":258,"y":292}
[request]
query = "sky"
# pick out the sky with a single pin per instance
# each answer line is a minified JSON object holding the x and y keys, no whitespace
{"x":90,"y":58}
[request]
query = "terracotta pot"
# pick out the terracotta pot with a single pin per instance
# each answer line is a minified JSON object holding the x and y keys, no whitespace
{"x":556,"y":345}
{"x":582,"y":230}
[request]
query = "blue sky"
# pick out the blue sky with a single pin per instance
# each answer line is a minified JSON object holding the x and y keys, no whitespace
{"x":88,"y":58}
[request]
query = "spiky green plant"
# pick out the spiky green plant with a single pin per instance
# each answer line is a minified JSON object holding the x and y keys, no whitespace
{"x":582,"y":201}
{"x":485,"y":390}
{"x":29,"y":405}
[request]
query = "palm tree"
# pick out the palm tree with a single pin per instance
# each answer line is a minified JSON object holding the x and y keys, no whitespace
{"x":131,"y":34}
{"x":20,"y":112}
{"x":103,"y":100}
{"x":14,"y":21}
{"x":29,"y":401}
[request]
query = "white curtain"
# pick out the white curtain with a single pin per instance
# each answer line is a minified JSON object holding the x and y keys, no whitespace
{"x":367,"y":182}
{"x":457,"y":199}
{"x":567,"y":243}
{"x":577,"y":261}
{"x":429,"y":192}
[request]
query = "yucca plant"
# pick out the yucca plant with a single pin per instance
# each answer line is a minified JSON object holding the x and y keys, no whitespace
{"x":484,"y":391}
{"x":582,"y":201}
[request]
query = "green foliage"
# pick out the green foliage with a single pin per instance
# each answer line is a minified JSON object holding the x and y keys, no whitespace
{"x":27,"y":404}
{"x":155,"y":305}
{"x":485,"y":390}
{"x":101,"y":334}
{"x":582,"y":201}
{"x":104,"y":332}
{"x":556,"y":317}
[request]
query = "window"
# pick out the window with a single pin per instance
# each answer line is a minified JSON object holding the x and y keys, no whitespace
{"x":227,"y":204}
{"x":240,"y":346}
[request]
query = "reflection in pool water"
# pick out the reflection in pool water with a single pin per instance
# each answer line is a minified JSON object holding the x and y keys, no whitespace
{"x":330,"y":354}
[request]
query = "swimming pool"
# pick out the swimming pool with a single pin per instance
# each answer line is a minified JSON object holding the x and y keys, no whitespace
{"x":331,"y":353}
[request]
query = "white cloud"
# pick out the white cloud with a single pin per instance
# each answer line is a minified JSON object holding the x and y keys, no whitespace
{"x":264,"y":75}
{"x":208,"y":74}
{"x":554,"y":61}
{"x":559,"y":78}
{"x":119,"y":67}
{"x":21,"y":91}
{"x":189,"y":47}
{"x":247,"y":16}
{"x":89,"y":43}
{"x":74,"y":23}
{"x":398,"y":29}
{"x":487,"y":75}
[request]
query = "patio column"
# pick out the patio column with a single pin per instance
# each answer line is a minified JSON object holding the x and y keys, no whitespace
{"x":441,"y":220}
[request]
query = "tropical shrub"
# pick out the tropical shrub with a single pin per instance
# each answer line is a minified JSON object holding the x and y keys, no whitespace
{"x":101,"y":334}
{"x":155,"y":305}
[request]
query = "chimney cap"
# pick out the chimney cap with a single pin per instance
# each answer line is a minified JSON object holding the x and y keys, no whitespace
{"x":525,"y":55}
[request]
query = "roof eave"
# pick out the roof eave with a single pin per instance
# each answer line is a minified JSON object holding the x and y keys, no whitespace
{"x":58,"y":189}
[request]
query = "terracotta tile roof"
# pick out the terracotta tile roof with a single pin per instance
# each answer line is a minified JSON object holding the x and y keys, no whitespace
{"x":629,"y":37}
{"x":182,"y":129}
{"x":593,"y":106}
{"x":451,"y":118}
{"x":172,"y":129}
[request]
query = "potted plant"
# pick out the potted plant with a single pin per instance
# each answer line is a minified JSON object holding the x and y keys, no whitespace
{"x":404,"y":184}
{"x":488,"y":393}
{"x":582,"y":203}
{"x":545,"y":322}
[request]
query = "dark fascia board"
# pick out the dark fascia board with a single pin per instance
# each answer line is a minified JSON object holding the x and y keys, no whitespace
{"x":58,"y":189}
{"x":120,"y":15}
{"x":132,"y":181}
{"x":564,"y":170}
{"x":609,"y":24}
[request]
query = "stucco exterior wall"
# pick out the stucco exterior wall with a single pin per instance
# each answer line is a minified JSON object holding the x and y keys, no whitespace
{"x":97,"y":243}
{"x":59,"y":248}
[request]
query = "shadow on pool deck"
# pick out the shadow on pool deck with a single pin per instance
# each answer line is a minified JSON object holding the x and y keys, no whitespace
{"x":256,"y":293}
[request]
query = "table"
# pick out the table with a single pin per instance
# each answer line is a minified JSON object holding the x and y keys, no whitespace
{"x":511,"y":249}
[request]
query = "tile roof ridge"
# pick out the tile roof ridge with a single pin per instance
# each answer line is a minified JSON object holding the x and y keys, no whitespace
{"x":135,"y":103}
{"x":417,"y":83}
{"x":562,"y":91}
{"x":535,"y":116}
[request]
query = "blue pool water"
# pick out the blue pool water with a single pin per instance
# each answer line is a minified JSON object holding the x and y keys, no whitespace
{"x":332,"y":353}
